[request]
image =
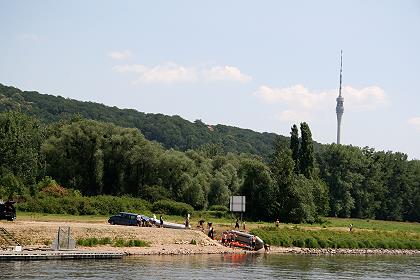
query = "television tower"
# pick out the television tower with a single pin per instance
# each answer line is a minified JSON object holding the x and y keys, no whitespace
{"x":340,"y":104}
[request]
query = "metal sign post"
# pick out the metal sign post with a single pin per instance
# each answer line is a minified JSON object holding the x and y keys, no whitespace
{"x":237,"y":204}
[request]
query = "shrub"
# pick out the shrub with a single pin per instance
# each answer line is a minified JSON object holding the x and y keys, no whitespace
{"x":170,"y":207}
{"x":130,"y":243}
{"x":218,"y":208}
{"x":91,"y":242}
{"x":311,"y":243}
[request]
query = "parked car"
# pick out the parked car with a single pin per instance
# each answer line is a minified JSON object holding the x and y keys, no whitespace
{"x":7,"y":210}
{"x":123,"y":218}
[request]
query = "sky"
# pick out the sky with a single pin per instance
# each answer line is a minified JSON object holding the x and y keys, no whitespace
{"x":262,"y":65}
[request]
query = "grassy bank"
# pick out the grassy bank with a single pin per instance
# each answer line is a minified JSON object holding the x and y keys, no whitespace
{"x":326,"y":238}
{"x":93,"y":241}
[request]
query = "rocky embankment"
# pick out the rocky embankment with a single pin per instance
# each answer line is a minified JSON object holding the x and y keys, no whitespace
{"x":342,"y":251}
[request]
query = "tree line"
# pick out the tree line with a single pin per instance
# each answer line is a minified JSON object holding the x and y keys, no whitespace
{"x":171,"y":131}
{"x":295,"y":184}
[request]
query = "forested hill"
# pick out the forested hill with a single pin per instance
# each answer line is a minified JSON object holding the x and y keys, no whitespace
{"x":172,"y":131}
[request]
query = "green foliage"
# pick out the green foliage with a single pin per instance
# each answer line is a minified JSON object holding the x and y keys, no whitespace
{"x":130,"y":243}
{"x":20,"y":140}
{"x":172,"y":131}
{"x":10,"y":184}
{"x":93,"y":241}
{"x":306,"y":152}
{"x":287,"y":237}
{"x":74,"y":205}
{"x":170,"y":207}
{"x":258,"y":188}
{"x":222,"y":208}
{"x":295,"y":147}
{"x":86,"y":164}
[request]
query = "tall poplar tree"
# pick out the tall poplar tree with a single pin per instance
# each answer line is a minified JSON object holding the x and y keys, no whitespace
{"x":294,"y":146}
{"x":306,"y":152}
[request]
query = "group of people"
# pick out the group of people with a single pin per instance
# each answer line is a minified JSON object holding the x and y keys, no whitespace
{"x":228,"y":238}
{"x":143,"y":222}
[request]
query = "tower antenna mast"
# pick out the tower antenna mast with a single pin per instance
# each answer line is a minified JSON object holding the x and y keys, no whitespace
{"x":340,"y":103}
{"x":341,"y":71}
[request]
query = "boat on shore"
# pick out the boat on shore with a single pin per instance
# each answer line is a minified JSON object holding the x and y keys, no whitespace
{"x":235,"y":238}
{"x":168,"y":224}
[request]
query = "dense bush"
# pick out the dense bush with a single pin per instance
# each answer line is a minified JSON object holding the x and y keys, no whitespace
{"x":80,"y":205}
{"x":170,"y":207}
{"x":218,"y":208}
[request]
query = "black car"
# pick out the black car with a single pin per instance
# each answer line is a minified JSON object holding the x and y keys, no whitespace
{"x":7,"y":211}
{"x":123,"y":218}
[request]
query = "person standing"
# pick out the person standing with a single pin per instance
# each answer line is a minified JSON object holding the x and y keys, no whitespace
{"x":211,"y":231}
{"x":161,"y":221}
{"x":237,"y":224}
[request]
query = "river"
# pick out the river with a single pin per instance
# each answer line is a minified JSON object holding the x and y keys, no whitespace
{"x":236,"y":267}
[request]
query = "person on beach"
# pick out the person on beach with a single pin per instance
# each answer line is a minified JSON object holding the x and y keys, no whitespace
{"x":201,"y":224}
{"x":161,"y":221}
{"x":253,"y":242}
{"x":211,"y":231}
{"x":187,"y":221}
{"x":224,"y":238}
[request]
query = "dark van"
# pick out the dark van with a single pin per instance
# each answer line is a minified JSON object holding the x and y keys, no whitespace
{"x":7,"y":211}
{"x":123,"y":218}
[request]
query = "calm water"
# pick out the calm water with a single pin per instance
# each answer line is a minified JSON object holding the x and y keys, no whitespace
{"x":220,"y":267}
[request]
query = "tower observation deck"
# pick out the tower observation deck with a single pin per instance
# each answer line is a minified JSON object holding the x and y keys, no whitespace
{"x":340,"y":103}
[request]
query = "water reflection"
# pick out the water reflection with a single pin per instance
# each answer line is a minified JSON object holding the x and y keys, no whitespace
{"x":220,"y":267}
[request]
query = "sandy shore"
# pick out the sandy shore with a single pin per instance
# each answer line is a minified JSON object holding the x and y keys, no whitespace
{"x":37,"y":235}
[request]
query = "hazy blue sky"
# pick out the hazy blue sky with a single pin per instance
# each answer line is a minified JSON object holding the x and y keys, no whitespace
{"x":262,"y":65}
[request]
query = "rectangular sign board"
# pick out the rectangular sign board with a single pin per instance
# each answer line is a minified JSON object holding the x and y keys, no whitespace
{"x":237,"y":203}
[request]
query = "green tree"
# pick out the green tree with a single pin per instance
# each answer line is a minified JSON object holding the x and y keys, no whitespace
{"x":258,"y":188}
{"x":294,"y":146}
{"x":306,"y":152}
{"x":20,"y":140}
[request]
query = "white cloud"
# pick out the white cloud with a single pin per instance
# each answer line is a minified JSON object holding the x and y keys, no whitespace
{"x":166,"y":73}
{"x":301,"y":102}
{"x":225,"y":73}
{"x":120,"y":54}
{"x":415,"y":121}
{"x":291,"y":116}
{"x":174,"y":73}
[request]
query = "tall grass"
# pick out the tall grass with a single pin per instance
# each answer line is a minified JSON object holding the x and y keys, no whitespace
{"x":325,"y":238}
